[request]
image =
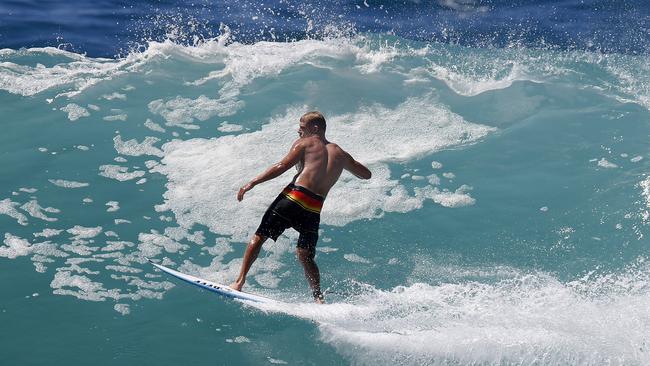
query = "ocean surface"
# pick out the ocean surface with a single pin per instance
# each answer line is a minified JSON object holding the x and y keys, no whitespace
{"x":506,"y":222}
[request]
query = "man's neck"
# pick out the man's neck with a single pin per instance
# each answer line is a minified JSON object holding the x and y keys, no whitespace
{"x":321,"y":136}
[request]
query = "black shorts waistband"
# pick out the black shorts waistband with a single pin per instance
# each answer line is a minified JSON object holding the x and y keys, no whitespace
{"x":306,"y":191}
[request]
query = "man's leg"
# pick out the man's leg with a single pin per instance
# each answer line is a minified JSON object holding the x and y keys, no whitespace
{"x":250,"y":256}
{"x":306,"y":258}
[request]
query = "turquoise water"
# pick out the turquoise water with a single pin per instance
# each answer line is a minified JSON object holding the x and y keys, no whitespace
{"x":505,"y":223}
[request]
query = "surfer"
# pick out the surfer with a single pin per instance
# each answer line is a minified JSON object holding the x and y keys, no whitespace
{"x":319,"y":163}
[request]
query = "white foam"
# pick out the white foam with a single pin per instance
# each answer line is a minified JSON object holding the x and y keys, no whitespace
{"x":267,"y":279}
{"x":48,"y":249}
{"x":82,"y":147}
{"x":194,"y":189}
{"x":83,"y":287}
{"x":116,"y":245}
{"x":68,"y":183}
{"x":48,"y":233}
{"x":182,"y":112}
{"x":265,"y":272}
{"x":116,"y":117}
{"x":458,"y":198}
{"x":604,"y":163}
{"x":636,"y":159}
{"x":471,"y":84}
{"x":14,"y":247}
{"x":64,"y":283}
{"x":152,"y":244}
{"x":645,"y":190}
{"x":28,"y":190}
{"x":79,"y":247}
{"x":8,"y":207}
{"x":241,"y":339}
{"x":124,"y":269}
{"x":75,"y":111}
{"x":221,"y":248}
{"x":114,"y":96}
{"x":180,"y":233}
{"x":468,"y":71}
{"x":121,"y":221}
{"x":122,"y":309}
{"x":135,"y":148}
{"x":436,"y":165}
{"x":120,"y":173}
{"x":645,"y":193}
{"x":150,"y":163}
{"x":111,"y":234}
{"x":112,"y":206}
{"x":523,"y":319}
{"x":74,"y":75}
{"x":35,"y":210}
{"x":277,"y":361}
{"x":243,"y":63}
{"x":229,"y":127}
{"x":355,"y":258}
{"x":326,"y":250}
{"x":433,"y":179}
{"x":153,"y":126}
{"x":464,"y":5}
{"x":81,"y":232}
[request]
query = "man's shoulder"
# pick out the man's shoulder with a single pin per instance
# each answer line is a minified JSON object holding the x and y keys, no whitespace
{"x":336,"y":149}
{"x":332,"y":145}
{"x":312,"y":141}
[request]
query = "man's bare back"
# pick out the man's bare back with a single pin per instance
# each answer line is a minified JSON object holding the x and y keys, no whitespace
{"x":320,"y":165}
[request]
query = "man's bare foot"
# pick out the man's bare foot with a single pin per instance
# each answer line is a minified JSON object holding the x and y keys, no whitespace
{"x":318,"y":297}
{"x":236,"y":285}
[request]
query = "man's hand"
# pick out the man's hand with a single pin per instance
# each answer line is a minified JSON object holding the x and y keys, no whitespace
{"x":247,"y":187}
{"x":276,"y":169}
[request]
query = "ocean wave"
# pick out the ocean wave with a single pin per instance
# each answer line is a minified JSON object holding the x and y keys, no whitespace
{"x":465,"y":70}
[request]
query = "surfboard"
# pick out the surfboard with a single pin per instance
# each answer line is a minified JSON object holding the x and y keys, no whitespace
{"x":213,"y":286}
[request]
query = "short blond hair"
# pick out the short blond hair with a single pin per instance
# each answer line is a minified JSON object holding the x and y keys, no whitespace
{"x":314,"y":118}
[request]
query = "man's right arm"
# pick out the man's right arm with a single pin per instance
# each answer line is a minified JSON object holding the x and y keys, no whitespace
{"x":356,"y":168}
{"x":275,"y":170}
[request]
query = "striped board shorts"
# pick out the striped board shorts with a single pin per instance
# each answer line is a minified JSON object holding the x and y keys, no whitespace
{"x":298,"y":208}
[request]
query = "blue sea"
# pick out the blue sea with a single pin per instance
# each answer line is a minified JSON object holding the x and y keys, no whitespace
{"x":507,"y":221}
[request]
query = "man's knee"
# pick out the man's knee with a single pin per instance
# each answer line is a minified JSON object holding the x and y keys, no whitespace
{"x":257,"y":240}
{"x":305,"y":255}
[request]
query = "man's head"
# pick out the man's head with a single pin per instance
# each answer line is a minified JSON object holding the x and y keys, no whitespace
{"x":312,"y":123}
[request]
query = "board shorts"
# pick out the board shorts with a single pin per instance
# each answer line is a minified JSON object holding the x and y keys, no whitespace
{"x":295,"y":207}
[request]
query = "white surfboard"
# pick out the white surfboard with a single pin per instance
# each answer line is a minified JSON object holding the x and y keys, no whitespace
{"x":212,"y":286}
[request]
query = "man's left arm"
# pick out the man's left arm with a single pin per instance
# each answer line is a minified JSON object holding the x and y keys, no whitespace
{"x":276,"y":169}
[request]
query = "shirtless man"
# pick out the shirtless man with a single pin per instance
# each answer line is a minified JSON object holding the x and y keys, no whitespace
{"x":320,"y":164}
